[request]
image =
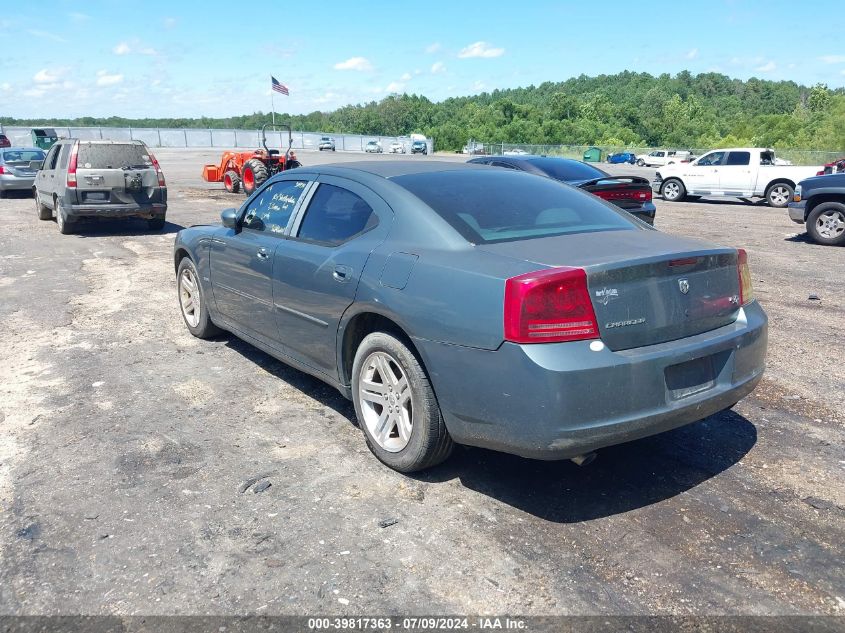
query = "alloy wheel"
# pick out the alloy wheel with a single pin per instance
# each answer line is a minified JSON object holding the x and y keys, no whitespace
{"x":831,"y":224}
{"x":189,"y":297}
{"x":386,"y":403}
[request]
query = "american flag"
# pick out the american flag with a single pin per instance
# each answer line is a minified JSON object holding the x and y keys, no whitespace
{"x":279,"y":87}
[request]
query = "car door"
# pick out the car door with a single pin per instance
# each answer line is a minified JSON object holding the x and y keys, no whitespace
{"x":46,"y":178}
{"x":242,"y":259}
{"x":735,"y":175}
{"x":316,"y":271}
{"x":702,"y":176}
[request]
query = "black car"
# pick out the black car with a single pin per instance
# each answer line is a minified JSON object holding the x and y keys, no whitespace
{"x":819,"y":203}
{"x":631,"y":193}
{"x":419,"y":147}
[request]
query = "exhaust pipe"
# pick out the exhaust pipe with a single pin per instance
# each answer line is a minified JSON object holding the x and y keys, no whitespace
{"x":584,"y":460}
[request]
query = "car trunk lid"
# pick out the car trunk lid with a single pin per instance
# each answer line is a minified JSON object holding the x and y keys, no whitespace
{"x":626,"y":192}
{"x":646,"y":287}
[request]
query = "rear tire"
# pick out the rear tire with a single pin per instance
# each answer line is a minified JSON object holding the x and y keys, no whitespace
{"x":44,"y":213}
{"x":254,"y":175}
{"x":231,"y":181}
{"x":641,"y":162}
{"x":192,"y":301}
{"x":673,"y":190}
{"x":396,"y":407}
{"x":826,"y":224}
{"x":62,"y":221}
{"x":779,"y":194}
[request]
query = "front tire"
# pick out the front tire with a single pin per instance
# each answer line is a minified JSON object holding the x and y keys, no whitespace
{"x":192,"y":302}
{"x":673,"y":190}
{"x":231,"y":181}
{"x":779,"y":194}
{"x":254,"y":175}
{"x":396,"y":406}
{"x":826,"y":224}
{"x":641,"y":162}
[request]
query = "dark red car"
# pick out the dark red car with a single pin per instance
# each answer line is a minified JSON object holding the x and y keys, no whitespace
{"x":4,"y":141}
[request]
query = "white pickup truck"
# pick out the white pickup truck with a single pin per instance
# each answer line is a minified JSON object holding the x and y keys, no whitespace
{"x":742,"y":172}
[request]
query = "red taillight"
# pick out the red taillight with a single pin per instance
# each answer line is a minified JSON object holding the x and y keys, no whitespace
{"x":159,"y":173}
{"x":746,"y":292}
{"x":71,"y":168}
{"x":623,"y":194}
{"x":2,"y":169}
{"x":549,"y":306}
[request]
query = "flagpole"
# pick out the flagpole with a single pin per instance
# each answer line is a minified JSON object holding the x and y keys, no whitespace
{"x":272,"y":104}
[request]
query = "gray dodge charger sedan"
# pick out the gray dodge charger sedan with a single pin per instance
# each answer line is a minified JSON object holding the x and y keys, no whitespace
{"x":459,"y":303}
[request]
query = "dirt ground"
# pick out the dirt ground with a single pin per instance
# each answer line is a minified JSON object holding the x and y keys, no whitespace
{"x":124,"y":443}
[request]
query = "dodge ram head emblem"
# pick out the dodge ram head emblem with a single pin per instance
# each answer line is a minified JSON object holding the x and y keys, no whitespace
{"x":683,"y":284}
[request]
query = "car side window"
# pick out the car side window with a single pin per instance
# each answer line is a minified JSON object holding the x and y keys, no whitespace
{"x":712,"y":159}
{"x":739,"y":158}
{"x":271,"y":209}
{"x":50,"y":161}
{"x":64,"y":155}
{"x":335,"y":215}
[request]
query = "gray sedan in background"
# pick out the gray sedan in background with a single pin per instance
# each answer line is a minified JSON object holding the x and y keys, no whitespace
{"x":459,"y":303}
{"x":17,"y":172}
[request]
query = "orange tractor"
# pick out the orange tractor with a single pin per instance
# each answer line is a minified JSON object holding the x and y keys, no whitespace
{"x":250,"y":169}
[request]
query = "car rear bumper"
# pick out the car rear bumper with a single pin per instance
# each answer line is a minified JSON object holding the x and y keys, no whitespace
{"x":115,"y":211}
{"x":558,"y":400}
{"x":797,"y":211}
{"x":9,"y":182}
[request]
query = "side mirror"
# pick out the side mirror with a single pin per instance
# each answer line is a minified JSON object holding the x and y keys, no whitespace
{"x":230,"y":218}
{"x":35,"y":165}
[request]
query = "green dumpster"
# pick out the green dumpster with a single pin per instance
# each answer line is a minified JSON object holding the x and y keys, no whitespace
{"x":592,"y":155}
{"x":44,"y":137}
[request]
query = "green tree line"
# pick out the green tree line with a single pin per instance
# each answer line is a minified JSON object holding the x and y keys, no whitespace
{"x":627,"y":109}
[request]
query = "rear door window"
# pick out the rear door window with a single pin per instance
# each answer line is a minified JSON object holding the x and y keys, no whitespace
{"x":739,"y":158}
{"x":270,"y":210}
{"x":335,"y":215}
{"x":113,"y":156}
{"x":497,"y":206}
{"x":64,"y":156}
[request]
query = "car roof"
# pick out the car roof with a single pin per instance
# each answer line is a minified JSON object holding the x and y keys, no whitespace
{"x":525,"y":158}
{"x":15,"y":148}
{"x":394,"y":168}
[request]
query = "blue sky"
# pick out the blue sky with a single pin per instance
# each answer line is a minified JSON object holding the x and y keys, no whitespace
{"x":151,"y":58}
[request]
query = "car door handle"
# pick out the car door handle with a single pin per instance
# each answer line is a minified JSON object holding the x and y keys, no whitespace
{"x":342,"y":273}
{"x":262,"y":254}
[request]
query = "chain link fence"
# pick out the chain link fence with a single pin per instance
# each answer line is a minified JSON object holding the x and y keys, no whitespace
{"x":188,"y":137}
{"x":578,"y":152}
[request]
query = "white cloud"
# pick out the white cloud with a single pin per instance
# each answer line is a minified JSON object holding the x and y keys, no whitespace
{"x":833,"y":59}
{"x":6,"y":86}
{"x":766,"y":68}
{"x":46,"y":35}
{"x":394,"y":86}
{"x":45,"y":76}
{"x":432,"y":48}
{"x":692,"y":53}
{"x":481,"y":49}
{"x":479,"y":85}
{"x":405,"y":77}
{"x":437,"y":68}
{"x":122,"y":49}
{"x":354,"y":63}
{"x":105,"y":79}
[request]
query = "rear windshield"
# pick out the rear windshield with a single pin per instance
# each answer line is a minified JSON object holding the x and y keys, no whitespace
{"x":488,"y":206}
{"x":566,"y":169}
{"x":109,"y":156}
{"x":23,"y":155}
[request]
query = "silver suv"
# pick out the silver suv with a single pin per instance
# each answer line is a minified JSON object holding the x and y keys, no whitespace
{"x":100,"y":179}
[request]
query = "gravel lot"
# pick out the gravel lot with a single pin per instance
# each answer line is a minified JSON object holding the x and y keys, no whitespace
{"x":124,"y":441}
